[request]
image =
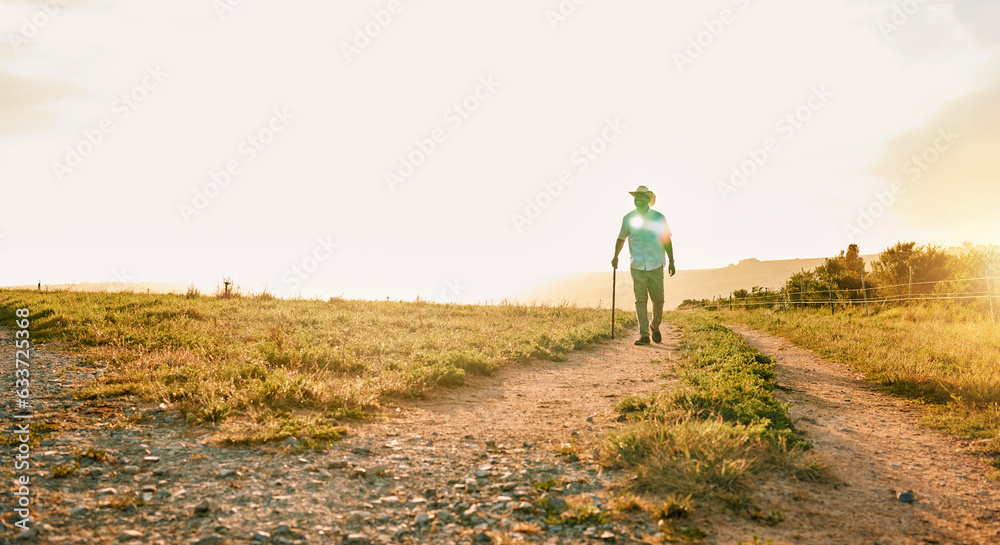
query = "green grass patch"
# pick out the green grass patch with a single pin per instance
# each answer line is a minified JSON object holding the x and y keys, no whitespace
{"x":222,"y":359}
{"x":713,"y":435}
{"x":64,"y":471}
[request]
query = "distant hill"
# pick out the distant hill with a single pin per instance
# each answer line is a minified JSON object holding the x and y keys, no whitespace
{"x":594,"y":289}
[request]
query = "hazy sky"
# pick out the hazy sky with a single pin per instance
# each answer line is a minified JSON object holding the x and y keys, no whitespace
{"x":462,"y":150}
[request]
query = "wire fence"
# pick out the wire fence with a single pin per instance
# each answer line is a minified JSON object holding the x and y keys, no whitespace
{"x":962,"y":289}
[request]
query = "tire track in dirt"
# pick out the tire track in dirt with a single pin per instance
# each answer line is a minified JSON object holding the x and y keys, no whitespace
{"x":876,"y":448}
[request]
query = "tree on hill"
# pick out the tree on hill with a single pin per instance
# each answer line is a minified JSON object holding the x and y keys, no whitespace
{"x":843,"y":271}
{"x":930,"y":265}
{"x":967,"y":271}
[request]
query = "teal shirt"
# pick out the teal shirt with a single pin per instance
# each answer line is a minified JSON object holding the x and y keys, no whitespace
{"x":646,"y":236}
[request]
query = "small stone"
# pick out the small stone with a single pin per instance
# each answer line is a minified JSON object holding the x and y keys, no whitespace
{"x":357,"y":517}
{"x":131,"y":470}
{"x":378,"y":470}
{"x":906,"y":497}
{"x":127,"y":535}
{"x":608,"y":536}
{"x":389,"y":499}
{"x":357,"y":539}
{"x":261,"y":535}
{"x":151,"y":459}
{"x":361,"y":451}
{"x":210,"y":540}
{"x":421,"y":519}
{"x":481,"y":537}
{"x":227,"y":473}
{"x":291,"y":441}
{"x":107,"y":492}
{"x":79,"y":512}
{"x":203,"y":508}
{"x":96,"y":472}
{"x":360,"y":472}
{"x":337,"y":464}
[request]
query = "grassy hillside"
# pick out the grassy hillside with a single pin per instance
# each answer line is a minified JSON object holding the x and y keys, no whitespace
{"x":269,"y":368}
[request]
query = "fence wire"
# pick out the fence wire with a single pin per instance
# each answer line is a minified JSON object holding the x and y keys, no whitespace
{"x":856,"y":296}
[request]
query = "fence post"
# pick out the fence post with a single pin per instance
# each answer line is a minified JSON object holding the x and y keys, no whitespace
{"x":730,"y":301}
{"x":989,"y":291}
{"x":864,"y":291}
{"x":802,"y":292}
{"x":909,"y":297}
{"x":831,"y":298}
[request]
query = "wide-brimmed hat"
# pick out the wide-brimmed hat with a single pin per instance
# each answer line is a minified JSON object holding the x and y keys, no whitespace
{"x":644,"y":189}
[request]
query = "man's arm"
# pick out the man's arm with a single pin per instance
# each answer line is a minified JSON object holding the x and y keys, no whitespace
{"x":619,"y":244}
{"x":668,"y":247}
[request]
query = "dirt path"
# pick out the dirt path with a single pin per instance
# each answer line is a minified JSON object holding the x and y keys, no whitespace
{"x":544,"y":403}
{"x":876,"y":448}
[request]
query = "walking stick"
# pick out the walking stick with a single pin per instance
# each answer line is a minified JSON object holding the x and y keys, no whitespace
{"x":614,"y":280}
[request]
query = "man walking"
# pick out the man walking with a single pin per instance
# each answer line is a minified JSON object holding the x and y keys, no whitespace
{"x":648,"y":239}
